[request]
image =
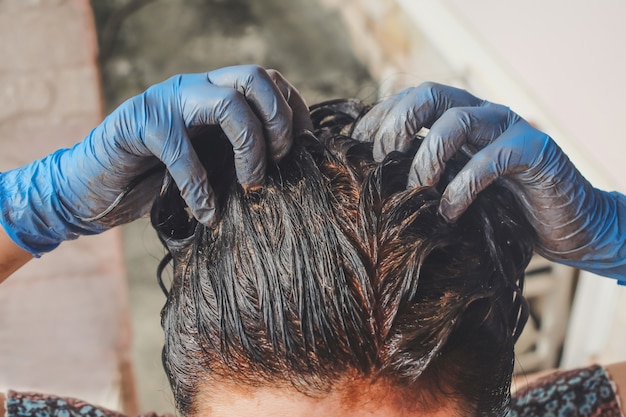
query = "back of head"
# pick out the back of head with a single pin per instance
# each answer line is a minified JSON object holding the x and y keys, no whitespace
{"x":333,"y":275}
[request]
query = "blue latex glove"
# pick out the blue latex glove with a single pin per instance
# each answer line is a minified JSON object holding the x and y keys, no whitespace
{"x":576,"y":224}
{"x":72,"y":191}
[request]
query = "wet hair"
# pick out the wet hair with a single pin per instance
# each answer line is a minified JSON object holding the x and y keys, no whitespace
{"x":334,"y":268}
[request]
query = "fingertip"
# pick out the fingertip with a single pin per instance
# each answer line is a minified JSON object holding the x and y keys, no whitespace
{"x":279,"y":142}
{"x":250,"y":167}
{"x":210,"y":219}
{"x":414,"y":178}
{"x":378,"y":152}
{"x":448,"y":211}
{"x":281,"y":148}
{"x":205,"y":211}
{"x":246,"y":134}
{"x":199,"y":197}
{"x":425,"y":170}
{"x":458,"y":195}
{"x":250,"y":188}
{"x":302,"y":121}
{"x":365,"y":131}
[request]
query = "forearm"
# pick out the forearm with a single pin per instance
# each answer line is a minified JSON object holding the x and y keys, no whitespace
{"x":12,"y":257}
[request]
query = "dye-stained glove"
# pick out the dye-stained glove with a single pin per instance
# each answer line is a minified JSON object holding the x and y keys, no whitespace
{"x":576,"y":223}
{"x":90,"y":187}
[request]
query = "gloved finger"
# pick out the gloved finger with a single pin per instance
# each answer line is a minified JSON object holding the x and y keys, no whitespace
{"x":393,"y":123}
{"x":184,"y":166}
{"x":203,"y":103}
{"x":301,"y":115}
{"x":518,"y":150}
{"x":207,"y":104}
{"x":458,"y":126}
{"x":265,"y":99}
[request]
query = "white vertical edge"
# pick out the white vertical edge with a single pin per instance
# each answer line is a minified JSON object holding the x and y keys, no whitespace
{"x":591,"y":321}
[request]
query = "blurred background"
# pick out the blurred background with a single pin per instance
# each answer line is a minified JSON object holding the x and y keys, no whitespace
{"x":84,"y":320}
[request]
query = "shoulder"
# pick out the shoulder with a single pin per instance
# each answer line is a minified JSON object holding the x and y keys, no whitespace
{"x":29,"y":404}
{"x":580,"y":392}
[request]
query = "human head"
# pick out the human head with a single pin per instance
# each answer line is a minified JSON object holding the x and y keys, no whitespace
{"x":335,"y":282}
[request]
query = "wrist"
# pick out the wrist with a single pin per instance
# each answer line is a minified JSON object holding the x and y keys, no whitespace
{"x":600,"y":231}
{"x":607,"y":254}
{"x":12,"y":257}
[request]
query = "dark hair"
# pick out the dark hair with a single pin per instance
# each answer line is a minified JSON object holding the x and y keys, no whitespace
{"x":333,"y":267}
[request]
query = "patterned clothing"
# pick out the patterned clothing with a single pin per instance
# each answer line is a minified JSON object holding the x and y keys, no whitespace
{"x":585,"y":392}
{"x":28,"y":404}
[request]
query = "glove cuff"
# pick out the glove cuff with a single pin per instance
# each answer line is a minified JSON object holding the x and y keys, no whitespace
{"x":604,"y":224}
{"x":32,"y":212}
{"x":608,"y":255}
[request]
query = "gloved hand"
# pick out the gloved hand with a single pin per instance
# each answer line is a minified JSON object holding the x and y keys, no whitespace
{"x":576,"y":223}
{"x":87,"y":189}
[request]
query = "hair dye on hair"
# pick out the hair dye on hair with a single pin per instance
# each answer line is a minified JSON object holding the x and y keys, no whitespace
{"x":333,"y":268}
